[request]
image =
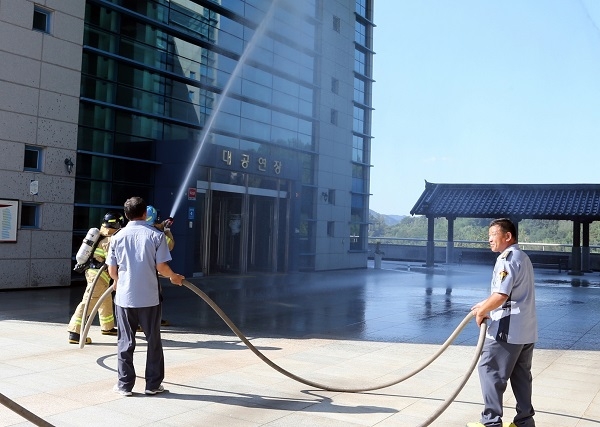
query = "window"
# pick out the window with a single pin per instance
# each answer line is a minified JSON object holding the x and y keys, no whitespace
{"x":330,"y":228}
{"x":33,"y":159}
{"x":331,"y":197}
{"x":335,"y":85}
{"x":358,"y":120}
{"x":336,"y":24}
{"x":360,"y":61}
{"x":359,"y":91}
{"x":359,"y":178}
{"x":359,"y":148}
{"x":41,"y":19}
{"x":357,"y":236}
{"x":334,"y":117}
{"x":363,"y":8}
{"x":358,"y":224}
{"x":360,"y":33}
{"x":30,"y":215}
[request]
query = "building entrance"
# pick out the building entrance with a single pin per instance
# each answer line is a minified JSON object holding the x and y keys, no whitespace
{"x":225,"y":238}
{"x":247,"y":229}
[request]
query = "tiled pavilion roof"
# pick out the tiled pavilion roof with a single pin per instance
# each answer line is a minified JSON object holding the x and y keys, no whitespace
{"x":579,"y":202}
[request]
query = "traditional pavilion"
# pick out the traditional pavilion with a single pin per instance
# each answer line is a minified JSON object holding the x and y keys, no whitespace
{"x":579,"y":203}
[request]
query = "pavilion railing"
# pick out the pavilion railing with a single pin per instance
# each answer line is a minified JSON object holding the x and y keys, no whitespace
{"x":532,"y":246}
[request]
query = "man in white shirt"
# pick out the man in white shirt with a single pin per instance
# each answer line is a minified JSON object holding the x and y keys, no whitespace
{"x":136,"y":253}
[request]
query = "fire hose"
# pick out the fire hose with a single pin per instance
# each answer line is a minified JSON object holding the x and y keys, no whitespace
{"x":310,"y":383}
{"x":84,"y":318}
{"x":427,"y":362}
{"x":85,"y":329}
{"x":443,"y":347}
{"x":25,"y":413}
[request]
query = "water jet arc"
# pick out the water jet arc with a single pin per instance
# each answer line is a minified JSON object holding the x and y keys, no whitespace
{"x":258,"y":33}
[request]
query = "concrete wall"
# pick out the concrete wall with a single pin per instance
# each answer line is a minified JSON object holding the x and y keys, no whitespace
{"x":39,"y":107}
{"x":409,"y":253}
{"x":334,"y":141}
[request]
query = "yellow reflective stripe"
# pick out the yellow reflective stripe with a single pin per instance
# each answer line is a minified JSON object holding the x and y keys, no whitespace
{"x":99,"y":252}
{"x":170,"y":242}
{"x":107,"y":319}
{"x":77,"y":321}
{"x":105,"y":276}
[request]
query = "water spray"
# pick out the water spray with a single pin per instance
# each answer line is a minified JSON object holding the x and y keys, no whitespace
{"x":258,"y":33}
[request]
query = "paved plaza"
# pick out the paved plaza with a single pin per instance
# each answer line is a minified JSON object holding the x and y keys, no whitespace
{"x":351,"y":328}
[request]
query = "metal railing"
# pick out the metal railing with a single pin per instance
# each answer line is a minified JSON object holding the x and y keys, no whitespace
{"x":477,"y":244}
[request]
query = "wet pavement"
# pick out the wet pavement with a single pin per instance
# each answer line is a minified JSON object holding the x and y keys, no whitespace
{"x":354,"y":324}
{"x":391,"y":304}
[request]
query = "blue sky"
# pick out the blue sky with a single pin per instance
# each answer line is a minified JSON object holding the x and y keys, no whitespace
{"x":475,"y":91}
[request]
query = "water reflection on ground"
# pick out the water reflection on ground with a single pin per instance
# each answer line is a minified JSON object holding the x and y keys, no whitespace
{"x":394,"y":304}
{"x":574,"y":282}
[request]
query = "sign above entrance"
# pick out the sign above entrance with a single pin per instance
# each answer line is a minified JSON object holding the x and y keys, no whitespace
{"x":258,"y":163}
{"x":191,"y":193}
{"x":263,"y":163}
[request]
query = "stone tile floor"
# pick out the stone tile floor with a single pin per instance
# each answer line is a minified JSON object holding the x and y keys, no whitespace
{"x":344,"y":328}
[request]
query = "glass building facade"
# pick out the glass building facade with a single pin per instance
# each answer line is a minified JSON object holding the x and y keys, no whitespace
{"x":213,"y":112}
{"x":361,"y":123}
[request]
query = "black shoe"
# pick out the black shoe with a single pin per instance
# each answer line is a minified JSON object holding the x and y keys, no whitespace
{"x":74,"y":338}
{"x":112,"y":331}
{"x":164,"y":322}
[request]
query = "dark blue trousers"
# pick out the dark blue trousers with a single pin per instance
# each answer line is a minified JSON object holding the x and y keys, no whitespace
{"x":128,"y":320}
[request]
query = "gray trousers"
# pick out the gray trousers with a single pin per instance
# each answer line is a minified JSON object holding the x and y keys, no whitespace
{"x":128,"y":320}
{"x":499,"y":363}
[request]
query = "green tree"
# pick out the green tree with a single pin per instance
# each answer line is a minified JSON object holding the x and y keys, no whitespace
{"x":476,"y":229}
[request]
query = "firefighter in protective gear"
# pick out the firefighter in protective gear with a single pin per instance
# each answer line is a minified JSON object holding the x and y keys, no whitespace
{"x":111,"y":223}
{"x":165,"y":227}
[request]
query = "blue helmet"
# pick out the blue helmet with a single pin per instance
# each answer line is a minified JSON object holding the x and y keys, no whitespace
{"x":152,"y":214}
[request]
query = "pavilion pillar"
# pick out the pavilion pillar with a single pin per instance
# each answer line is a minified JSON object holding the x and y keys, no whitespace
{"x":576,"y":249}
{"x":430,"y":243}
{"x":585,"y":249}
{"x":450,"y":243}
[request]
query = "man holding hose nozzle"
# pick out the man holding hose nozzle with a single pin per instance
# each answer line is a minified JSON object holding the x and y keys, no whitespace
{"x":164,"y":226}
{"x":136,"y":253}
{"x":508,"y":350}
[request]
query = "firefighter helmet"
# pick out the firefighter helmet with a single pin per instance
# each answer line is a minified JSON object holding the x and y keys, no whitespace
{"x":152,"y":214}
{"x":113,"y":220}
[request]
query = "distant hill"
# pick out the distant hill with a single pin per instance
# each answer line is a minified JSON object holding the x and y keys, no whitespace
{"x":388,"y":220}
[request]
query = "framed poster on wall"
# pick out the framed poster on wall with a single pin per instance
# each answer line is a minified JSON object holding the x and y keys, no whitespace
{"x":9,"y":218}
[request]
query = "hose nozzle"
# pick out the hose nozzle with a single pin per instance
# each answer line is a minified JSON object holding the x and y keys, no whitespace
{"x":168,"y":222}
